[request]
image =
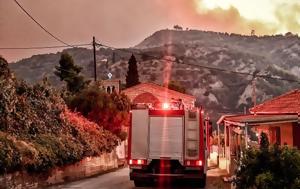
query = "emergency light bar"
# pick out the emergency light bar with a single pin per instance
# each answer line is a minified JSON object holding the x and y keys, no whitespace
{"x":165,"y":106}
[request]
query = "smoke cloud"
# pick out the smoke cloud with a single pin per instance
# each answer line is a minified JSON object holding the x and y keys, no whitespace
{"x":124,"y":23}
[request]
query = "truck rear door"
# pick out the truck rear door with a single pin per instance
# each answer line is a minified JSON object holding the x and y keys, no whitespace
{"x":166,"y":136}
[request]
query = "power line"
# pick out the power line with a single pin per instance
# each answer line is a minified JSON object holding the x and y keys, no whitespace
{"x":58,"y":39}
{"x":202,"y":66}
{"x":44,"y":47}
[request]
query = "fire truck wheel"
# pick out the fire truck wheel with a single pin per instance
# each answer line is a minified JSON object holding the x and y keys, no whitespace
{"x":202,"y":182}
{"x":140,"y":183}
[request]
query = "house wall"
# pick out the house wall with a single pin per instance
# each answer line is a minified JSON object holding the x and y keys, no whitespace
{"x":296,"y":135}
{"x":286,"y":133}
{"x":289,"y":133}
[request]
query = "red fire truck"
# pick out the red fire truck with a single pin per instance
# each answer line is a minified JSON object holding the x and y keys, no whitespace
{"x":167,"y":143}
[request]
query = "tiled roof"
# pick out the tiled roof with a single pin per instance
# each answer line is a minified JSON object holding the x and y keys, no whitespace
{"x":159,"y":88}
{"x":259,"y":119}
{"x":288,"y":103}
{"x":145,"y":98}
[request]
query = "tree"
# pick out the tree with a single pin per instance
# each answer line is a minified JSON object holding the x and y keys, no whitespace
{"x":176,"y":86}
{"x":177,"y":27}
{"x":108,"y":110}
{"x":70,"y":73}
{"x":132,"y":77}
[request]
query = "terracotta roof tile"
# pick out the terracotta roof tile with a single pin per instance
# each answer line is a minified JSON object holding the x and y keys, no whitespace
{"x":288,"y":103}
{"x":252,"y":120}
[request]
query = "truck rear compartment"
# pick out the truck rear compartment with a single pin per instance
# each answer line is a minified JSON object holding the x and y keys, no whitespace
{"x":165,"y":147}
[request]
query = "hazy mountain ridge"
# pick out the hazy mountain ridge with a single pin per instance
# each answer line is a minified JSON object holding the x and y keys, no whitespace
{"x":277,"y":56}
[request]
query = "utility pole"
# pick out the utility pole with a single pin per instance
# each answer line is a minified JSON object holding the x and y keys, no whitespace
{"x":113,"y":58}
{"x":95,"y":63}
{"x":254,"y":91}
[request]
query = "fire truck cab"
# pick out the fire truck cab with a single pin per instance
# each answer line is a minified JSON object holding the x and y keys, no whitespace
{"x":167,"y":143}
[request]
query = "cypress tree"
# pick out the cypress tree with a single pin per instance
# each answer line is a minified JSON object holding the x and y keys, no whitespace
{"x":132,"y":77}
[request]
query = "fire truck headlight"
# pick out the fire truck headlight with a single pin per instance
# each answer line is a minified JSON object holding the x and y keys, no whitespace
{"x":139,"y":162}
{"x":130,"y":162}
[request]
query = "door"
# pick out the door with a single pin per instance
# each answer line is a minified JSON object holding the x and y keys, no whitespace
{"x":166,"y":138}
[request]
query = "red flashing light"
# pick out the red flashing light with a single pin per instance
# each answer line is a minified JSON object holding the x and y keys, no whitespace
{"x":193,"y":163}
{"x":137,"y":162}
{"x":166,"y":106}
{"x":199,"y":163}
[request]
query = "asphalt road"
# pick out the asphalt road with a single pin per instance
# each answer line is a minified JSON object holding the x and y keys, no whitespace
{"x":120,"y":180}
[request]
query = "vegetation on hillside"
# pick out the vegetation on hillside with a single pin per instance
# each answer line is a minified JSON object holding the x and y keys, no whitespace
{"x":269,"y":167}
{"x":38,"y":132}
{"x":176,"y":86}
{"x":190,"y":49}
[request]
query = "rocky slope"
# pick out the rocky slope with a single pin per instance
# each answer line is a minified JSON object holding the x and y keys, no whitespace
{"x":220,"y":92}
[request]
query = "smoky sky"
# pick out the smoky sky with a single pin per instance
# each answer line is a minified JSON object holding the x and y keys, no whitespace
{"x":123,"y":23}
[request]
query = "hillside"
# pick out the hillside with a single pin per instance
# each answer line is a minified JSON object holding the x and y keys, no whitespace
{"x":220,"y":92}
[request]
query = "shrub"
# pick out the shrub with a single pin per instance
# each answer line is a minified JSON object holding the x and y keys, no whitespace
{"x":269,"y":167}
{"x":108,"y":110}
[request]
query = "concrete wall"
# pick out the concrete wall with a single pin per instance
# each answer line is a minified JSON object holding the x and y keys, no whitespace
{"x":87,"y":167}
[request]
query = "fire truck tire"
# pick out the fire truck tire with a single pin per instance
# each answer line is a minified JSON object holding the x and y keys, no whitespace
{"x":202,"y":182}
{"x":138,"y":183}
{"x":141,"y":183}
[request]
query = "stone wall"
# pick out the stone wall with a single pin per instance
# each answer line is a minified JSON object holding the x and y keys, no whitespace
{"x":85,"y":168}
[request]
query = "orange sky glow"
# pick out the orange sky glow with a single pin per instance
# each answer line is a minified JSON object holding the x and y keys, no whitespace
{"x":126,"y":23}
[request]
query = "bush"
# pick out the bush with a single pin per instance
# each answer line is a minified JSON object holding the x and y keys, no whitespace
{"x":108,"y":110}
{"x":269,"y":167}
